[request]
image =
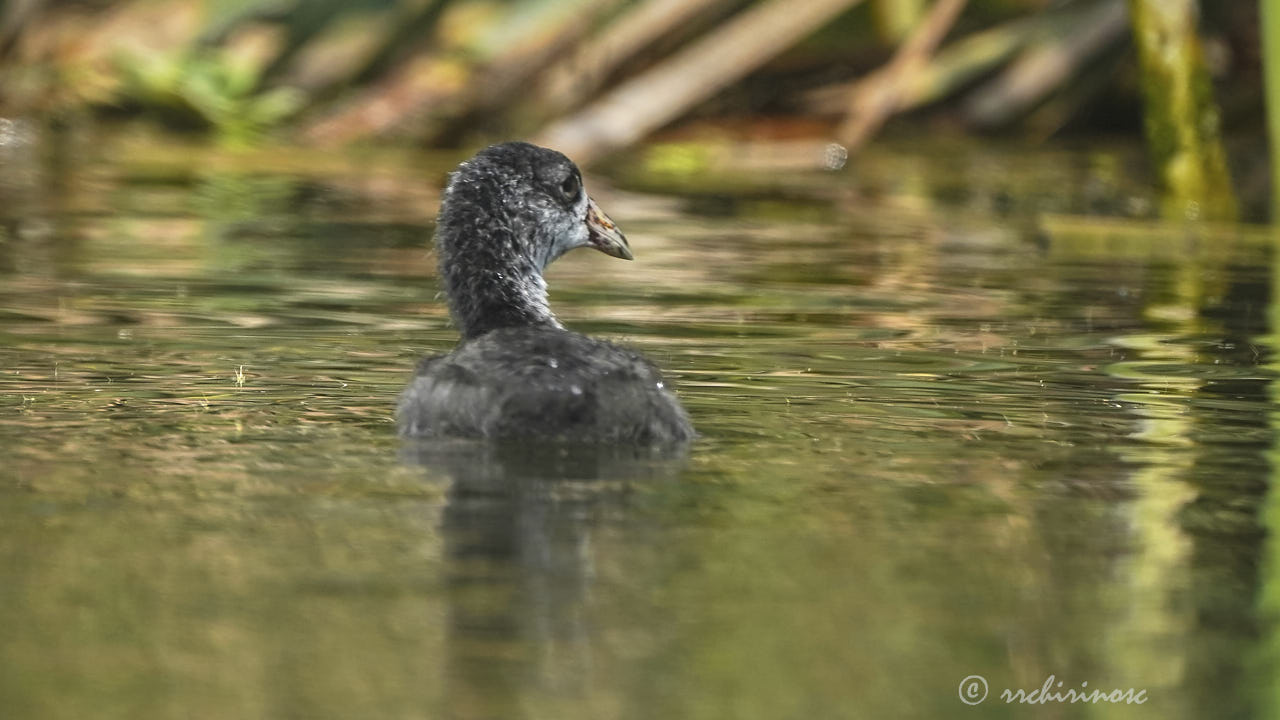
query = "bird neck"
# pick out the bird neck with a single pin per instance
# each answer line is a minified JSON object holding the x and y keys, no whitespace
{"x":489,"y":276}
{"x":487,"y":298}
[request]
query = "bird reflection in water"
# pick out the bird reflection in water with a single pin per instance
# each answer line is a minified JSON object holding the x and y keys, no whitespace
{"x":518,"y":526}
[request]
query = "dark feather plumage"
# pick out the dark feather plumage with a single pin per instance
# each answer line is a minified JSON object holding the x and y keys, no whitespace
{"x":516,"y":373}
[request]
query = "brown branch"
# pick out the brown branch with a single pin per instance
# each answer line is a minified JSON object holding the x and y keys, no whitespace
{"x":662,"y":94}
{"x":877,"y":97}
{"x":570,"y":82}
{"x":14,"y":16}
{"x":436,"y":90}
{"x":1044,"y":67}
{"x":953,"y":66}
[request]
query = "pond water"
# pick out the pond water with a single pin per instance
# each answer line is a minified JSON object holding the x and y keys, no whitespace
{"x":954,"y":422}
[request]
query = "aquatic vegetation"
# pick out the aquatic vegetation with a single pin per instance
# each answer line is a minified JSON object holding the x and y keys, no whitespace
{"x":212,"y":87}
{"x":1183,"y":124}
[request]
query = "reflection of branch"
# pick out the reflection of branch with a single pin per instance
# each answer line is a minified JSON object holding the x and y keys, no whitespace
{"x":874,"y":99}
{"x":574,"y":79}
{"x":660,"y":95}
{"x":1045,"y":67}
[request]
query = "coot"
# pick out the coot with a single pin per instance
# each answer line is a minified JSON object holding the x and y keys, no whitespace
{"x":516,"y":372}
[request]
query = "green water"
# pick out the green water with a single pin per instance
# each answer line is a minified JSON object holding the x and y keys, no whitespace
{"x":951,"y":425}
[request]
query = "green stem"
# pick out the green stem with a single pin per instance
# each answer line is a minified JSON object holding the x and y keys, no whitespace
{"x":1181,"y":116}
{"x":1270,"y":18}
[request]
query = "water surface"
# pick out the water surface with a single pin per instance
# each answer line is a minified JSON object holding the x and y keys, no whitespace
{"x":959,"y":417}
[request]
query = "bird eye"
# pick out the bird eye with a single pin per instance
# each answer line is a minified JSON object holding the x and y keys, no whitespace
{"x":569,"y":188}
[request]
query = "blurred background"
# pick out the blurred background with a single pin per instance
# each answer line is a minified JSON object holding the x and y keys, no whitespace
{"x":755,"y":83}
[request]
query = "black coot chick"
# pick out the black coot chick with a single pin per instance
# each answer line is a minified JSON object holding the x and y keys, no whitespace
{"x":516,"y":372}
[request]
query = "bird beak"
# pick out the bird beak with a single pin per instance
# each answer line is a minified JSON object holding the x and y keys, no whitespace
{"x":604,"y":235}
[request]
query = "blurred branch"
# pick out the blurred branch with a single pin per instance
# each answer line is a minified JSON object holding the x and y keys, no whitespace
{"x":1084,"y":88}
{"x":14,"y":15}
{"x":895,"y":18}
{"x":305,"y":20}
{"x":354,"y":51}
{"x":412,"y":25}
{"x":332,"y":60}
{"x":440,"y":87}
{"x":956,"y":64}
{"x":876,"y":98}
{"x":576,"y":78}
{"x":506,"y":77}
{"x":418,"y":83}
{"x":1047,"y":65}
{"x":658,"y":96}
